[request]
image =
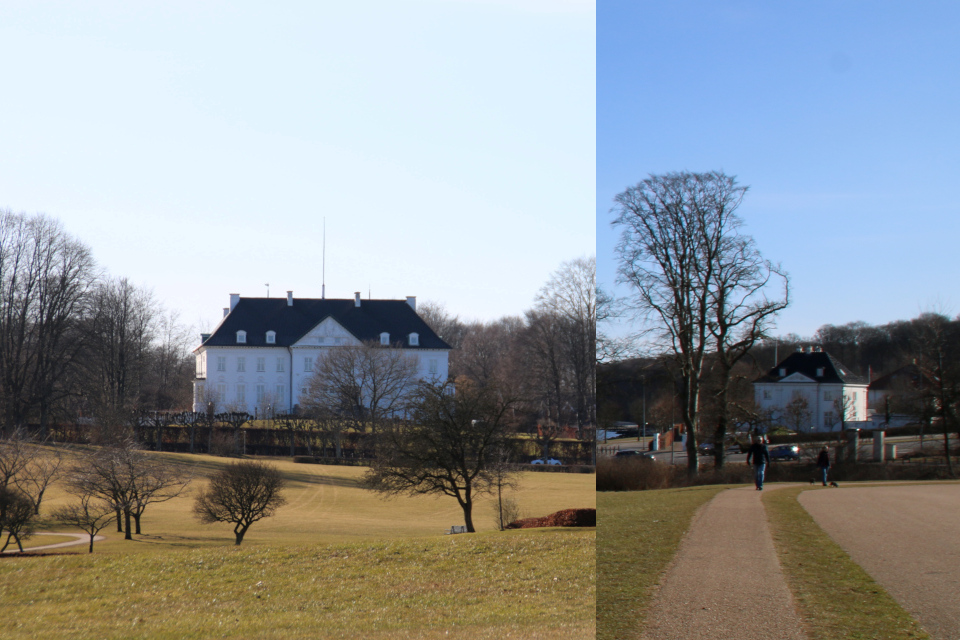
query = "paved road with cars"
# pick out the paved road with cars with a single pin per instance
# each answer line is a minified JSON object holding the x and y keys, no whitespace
{"x":906,"y":538}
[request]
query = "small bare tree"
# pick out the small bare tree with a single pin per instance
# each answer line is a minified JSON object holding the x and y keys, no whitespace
{"x":797,"y":413}
{"x":241,"y":494}
{"x":16,"y":516}
{"x":90,"y":516}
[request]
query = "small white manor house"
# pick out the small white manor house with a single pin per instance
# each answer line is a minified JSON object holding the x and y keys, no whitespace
{"x":822,"y":381}
{"x":263,"y":351}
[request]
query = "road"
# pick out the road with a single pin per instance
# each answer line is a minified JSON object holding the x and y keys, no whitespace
{"x":906,"y":445}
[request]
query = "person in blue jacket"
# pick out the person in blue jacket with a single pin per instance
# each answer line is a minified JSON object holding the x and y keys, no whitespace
{"x":823,"y":464}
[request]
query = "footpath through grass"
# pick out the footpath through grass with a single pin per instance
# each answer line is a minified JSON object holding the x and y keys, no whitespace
{"x":637,"y":536}
{"x":837,"y":599}
{"x":523,"y":584}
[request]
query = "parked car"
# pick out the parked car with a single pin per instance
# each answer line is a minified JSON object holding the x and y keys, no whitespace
{"x":550,"y":461}
{"x":633,"y":454}
{"x":785,"y":452}
{"x":705,"y":447}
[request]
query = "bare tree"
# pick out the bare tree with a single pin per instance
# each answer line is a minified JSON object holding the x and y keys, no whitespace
{"x":797,"y":412}
{"x":44,"y":468}
{"x":128,"y":479}
{"x":241,"y":494}
{"x":16,"y":516}
{"x":448,"y":447}
{"x":681,"y":252}
{"x":363,"y":384}
{"x":90,"y":516}
{"x":44,"y":279}
{"x":938,"y":339}
{"x":571,"y":294}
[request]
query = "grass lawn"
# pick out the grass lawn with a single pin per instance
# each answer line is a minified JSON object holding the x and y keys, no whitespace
{"x":336,"y":562}
{"x":638,"y":533}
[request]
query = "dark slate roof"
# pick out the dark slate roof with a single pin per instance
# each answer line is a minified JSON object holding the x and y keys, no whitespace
{"x":806,"y":363}
{"x":256,"y":316}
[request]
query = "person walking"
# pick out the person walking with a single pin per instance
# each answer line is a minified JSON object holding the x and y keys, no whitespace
{"x":823,"y":464}
{"x":761,"y":457}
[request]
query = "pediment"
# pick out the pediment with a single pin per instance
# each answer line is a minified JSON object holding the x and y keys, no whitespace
{"x":797,"y":377}
{"x":328,"y":333}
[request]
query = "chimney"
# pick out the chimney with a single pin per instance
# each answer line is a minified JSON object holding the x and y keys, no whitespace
{"x":356,"y":298}
{"x":289,"y":298}
{"x":226,"y":310}
{"x":412,"y":301}
{"x":234,"y":299}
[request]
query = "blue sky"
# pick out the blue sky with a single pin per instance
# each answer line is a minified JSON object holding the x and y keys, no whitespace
{"x":197,"y":146}
{"x":842,"y":118}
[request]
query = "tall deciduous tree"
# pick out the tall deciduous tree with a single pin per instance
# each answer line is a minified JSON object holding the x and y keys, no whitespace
{"x":451,"y":445}
{"x":693,"y":275}
{"x":44,"y":278}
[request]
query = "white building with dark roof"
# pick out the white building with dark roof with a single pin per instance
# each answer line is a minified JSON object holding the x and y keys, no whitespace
{"x":819,"y":379}
{"x":264,"y":350}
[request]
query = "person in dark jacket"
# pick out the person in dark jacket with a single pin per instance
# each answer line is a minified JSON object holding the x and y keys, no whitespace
{"x":823,"y":464}
{"x":761,"y":457}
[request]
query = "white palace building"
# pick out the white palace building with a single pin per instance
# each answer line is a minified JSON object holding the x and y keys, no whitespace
{"x":263,"y":352}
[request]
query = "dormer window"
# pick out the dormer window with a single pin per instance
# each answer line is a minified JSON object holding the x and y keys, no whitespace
{"x":271,"y":337}
{"x":414,"y":340}
{"x":820,"y":372}
{"x":384,"y":338}
{"x":241,"y":337}
{"x":783,"y":372}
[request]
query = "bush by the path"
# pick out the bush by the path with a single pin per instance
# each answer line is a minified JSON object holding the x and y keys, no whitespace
{"x":642,"y":475}
{"x":564,"y":518}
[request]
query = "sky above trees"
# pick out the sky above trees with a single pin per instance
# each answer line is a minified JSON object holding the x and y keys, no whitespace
{"x":198,"y":147}
{"x":840,"y":117}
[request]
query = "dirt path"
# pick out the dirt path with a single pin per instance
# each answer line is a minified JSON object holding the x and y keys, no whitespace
{"x":907,"y":537}
{"x":725,"y":581}
{"x":81,"y":538}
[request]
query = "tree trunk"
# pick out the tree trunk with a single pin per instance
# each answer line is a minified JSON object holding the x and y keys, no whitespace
{"x":136,"y":521}
{"x":92,"y":536}
{"x":126,"y":517}
{"x":240,"y":531}
{"x":119,"y":521}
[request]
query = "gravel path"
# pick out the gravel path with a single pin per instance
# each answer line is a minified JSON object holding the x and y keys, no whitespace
{"x":907,"y":537}
{"x":81,"y":538}
{"x":725,"y":581}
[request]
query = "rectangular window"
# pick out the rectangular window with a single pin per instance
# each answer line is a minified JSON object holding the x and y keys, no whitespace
{"x":221,"y":363}
{"x":280,"y":398}
{"x":241,"y":394}
{"x":261,"y":364}
{"x":280,"y":364}
{"x":200,"y":392}
{"x":241,"y":364}
{"x":261,"y":393}
{"x":221,"y":393}
{"x":308,"y":364}
{"x":828,"y":396}
{"x":433,"y":366}
{"x":828,"y":418}
{"x":766,"y":394}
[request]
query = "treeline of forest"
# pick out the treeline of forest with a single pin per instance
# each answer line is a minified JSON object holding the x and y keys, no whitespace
{"x":78,"y":343}
{"x":929,"y":344}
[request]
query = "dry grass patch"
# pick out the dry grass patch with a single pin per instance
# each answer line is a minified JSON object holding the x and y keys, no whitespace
{"x":637,"y":536}
{"x":837,"y":599}
{"x":515,"y":584}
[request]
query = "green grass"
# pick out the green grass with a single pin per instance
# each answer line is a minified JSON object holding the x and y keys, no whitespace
{"x":336,"y":562}
{"x":835,"y":596}
{"x":637,"y":536}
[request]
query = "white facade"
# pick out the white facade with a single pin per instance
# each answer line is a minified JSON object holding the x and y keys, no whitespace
{"x":822,"y":401}
{"x":262,"y":379}
{"x":826,"y":385}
